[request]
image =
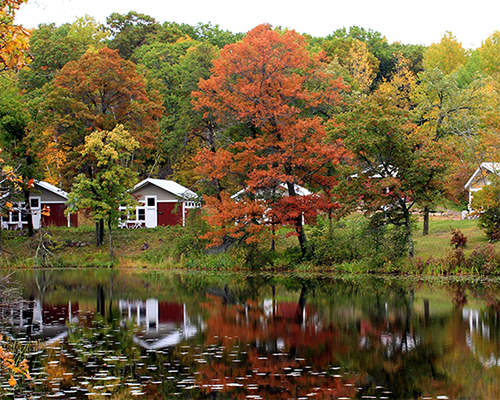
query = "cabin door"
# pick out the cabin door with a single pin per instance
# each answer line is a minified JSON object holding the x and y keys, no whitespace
{"x":151,"y":212}
{"x":36,"y":211}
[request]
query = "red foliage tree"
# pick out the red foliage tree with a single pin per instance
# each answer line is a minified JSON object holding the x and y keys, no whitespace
{"x":96,"y":93}
{"x":269,"y":93}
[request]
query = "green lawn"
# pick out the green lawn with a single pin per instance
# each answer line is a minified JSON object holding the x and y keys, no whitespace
{"x":437,"y":243}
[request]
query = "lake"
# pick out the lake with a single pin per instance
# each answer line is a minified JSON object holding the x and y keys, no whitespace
{"x":121,"y":334}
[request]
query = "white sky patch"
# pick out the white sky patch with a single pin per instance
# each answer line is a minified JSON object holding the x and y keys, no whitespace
{"x":409,"y":22}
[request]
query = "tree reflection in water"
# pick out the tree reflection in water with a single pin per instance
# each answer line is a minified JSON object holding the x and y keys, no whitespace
{"x":159,"y":336}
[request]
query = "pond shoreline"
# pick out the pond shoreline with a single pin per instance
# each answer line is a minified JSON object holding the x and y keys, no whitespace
{"x":179,"y":248}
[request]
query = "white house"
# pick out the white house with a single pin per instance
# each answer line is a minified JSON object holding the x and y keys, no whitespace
{"x":163,"y":203}
{"x":43,"y":196}
{"x":480,"y":178}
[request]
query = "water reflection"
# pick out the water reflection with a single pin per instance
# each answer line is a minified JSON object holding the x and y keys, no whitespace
{"x":117,"y":334}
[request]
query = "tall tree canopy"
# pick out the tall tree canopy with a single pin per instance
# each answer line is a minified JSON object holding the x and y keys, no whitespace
{"x":98,"y":92}
{"x":14,"y":39}
{"x":447,"y":55}
{"x":267,"y":91}
{"x":131,"y":31}
{"x":52,"y":47}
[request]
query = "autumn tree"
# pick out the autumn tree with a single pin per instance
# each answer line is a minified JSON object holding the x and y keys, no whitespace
{"x":381,"y":53}
{"x":52,"y":47}
{"x":98,"y":92}
{"x":266,"y":91}
{"x":14,"y":39}
{"x":488,"y":56}
{"x":402,"y":84}
{"x":358,"y":65}
{"x":108,"y":187}
{"x":395,"y":167}
{"x":447,"y":55}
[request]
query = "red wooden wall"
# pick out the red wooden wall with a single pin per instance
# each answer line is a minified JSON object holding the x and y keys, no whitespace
{"x":169,"y":214}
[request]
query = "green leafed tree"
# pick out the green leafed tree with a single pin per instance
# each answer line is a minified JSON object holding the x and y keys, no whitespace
{"x":395,"y":166}
{"x":52,"y":47}
{"x":176,"y":68}
{"x":131,"y":31}
{"x":107,"y":189}
{"x":14,"y":119}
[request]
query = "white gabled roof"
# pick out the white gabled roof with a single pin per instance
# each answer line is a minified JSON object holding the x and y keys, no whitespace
{"x":52,"y":188}
{"x":300,"y":190}
{"x":379,"y":172}
{"x":492,"y":167}
{"x":170,"y":186}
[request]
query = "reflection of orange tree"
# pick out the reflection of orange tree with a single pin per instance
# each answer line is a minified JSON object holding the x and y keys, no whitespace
{"x":275,"y":355}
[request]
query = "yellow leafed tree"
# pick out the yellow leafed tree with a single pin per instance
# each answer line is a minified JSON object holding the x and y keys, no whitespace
{"x":447,"y":55}
{"x":359,"y":65}
{"x":401,"y":85}
{"x":14,"y":39}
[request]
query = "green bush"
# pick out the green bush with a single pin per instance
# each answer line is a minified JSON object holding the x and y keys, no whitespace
{"x":356,"y":239}
{"x":489,"y":220}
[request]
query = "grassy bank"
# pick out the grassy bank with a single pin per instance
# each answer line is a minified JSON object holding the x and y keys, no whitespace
{"x":177,"y":247}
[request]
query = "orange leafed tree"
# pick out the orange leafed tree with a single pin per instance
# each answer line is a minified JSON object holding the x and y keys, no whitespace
{"x":271,"y":97}
{"x":96,"y":93}
{"x":14,"y":39}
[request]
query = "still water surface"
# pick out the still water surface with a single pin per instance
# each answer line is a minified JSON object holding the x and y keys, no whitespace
{"x":121,"y":334}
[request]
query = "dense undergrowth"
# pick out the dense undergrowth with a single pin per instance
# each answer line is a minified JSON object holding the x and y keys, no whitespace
{"x":349,"y":246}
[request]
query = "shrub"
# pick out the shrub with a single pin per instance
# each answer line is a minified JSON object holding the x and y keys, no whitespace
{"x":458,"y":239}
{"x":489,"y":220}
{"x":484,"y":260}
{"x":354,"y":239}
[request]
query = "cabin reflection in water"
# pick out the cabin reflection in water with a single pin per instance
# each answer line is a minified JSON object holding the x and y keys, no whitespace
{"x":162,"y":324}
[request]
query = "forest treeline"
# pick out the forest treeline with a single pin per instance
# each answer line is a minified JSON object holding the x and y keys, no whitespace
{"x":248,"y":120}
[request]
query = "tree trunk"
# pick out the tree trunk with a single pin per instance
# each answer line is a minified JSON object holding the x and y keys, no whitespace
{"x":97,"y":237}
{"x":425,"y":232}
{"x":29,"y":216}
{"x":299,"y":226}
{"x":302,"y":235}
{"x":273,"y":242}
{"x":409,"y":237}
{"x":99,"y":233}
{"x":110,"y":240}
{"x":100,"y":300}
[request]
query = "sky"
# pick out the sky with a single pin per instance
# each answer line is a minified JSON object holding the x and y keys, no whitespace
{"x":409,"y":22}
